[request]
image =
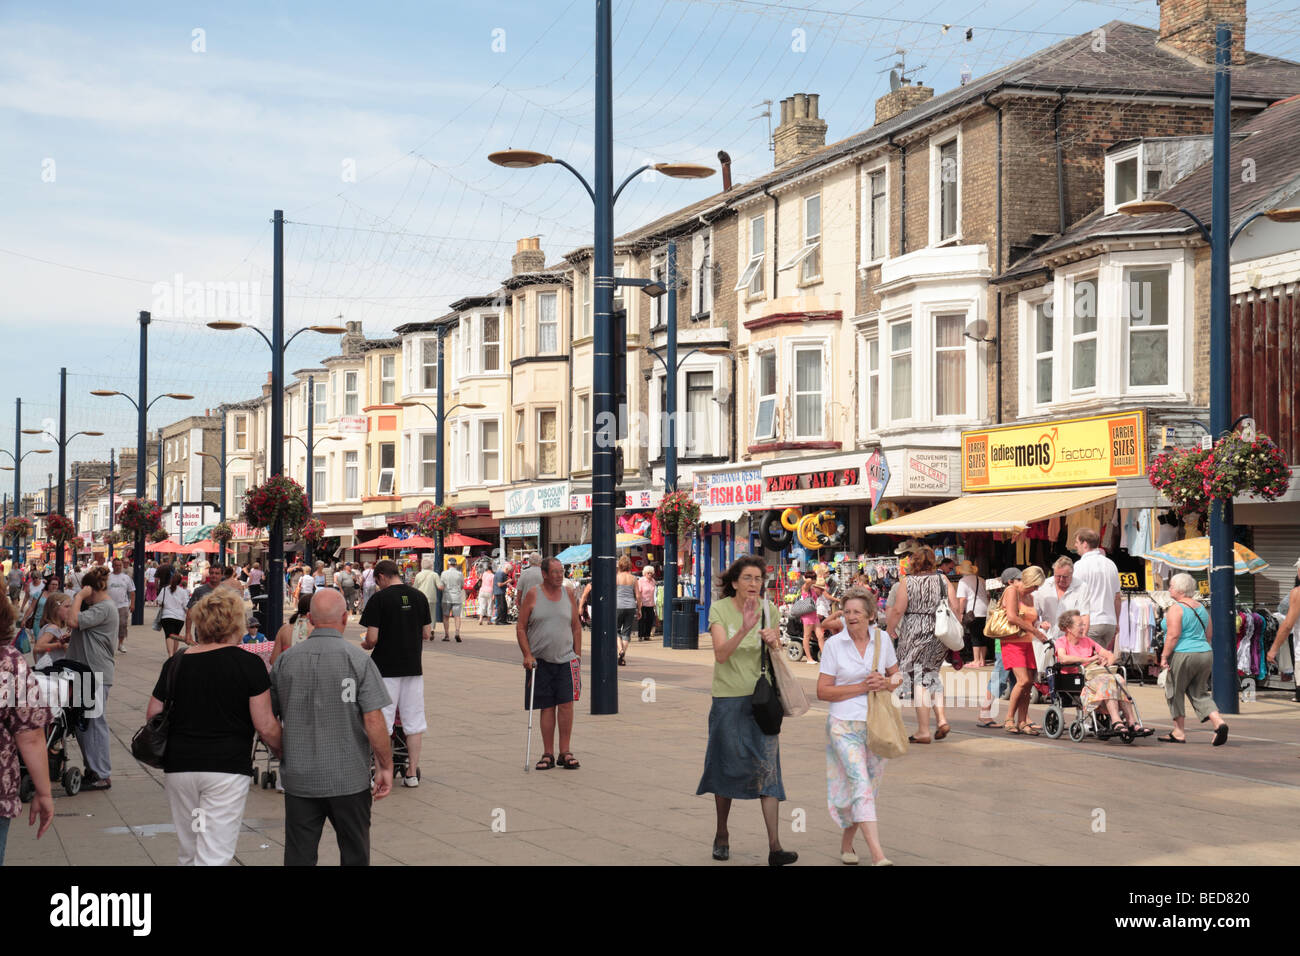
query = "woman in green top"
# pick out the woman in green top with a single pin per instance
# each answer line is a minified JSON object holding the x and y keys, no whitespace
{"x":742,"y":762}
{"x":1189,"y":660}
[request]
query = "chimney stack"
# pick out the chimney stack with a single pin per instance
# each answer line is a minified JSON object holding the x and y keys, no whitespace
{"x":801,"y":131}
{"x":528,"y":256}
{"x":1188,"y":27}
{"x":901,"y":100}
{"x":724,"y":159}
{"x":353,"y":339}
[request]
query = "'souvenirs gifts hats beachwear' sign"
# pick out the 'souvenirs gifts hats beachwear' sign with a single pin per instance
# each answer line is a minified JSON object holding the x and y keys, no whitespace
{"x":1075,"y":451}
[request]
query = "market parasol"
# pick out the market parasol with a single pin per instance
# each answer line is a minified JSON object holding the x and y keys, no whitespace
{"x":575,"y":554}
{"x":456,"y":540}
{"x":417,"y":543}
{"x":208,"y":547}
{"x":1193,"y":554}
{"x":383,"y":543}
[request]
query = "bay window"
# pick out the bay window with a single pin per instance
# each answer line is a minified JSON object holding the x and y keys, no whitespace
{"x":548,"y":459}
{"x":319,"y":413}
{"x":491,"y":343}
{"x":900,"y":371}
{"x":351,"y":403}
{"x":489,"y":447}
{"x":873,"y":384}
{"x":584,"y":434}
{"x":429,"y":364}
{"x":949,"y":364}
{"x":699,"y":413}
{"x":318,"y":479}
{"x":387,"y":468}
{"x":387,"y":379}
{"x":1044,"y":351}
{"x":428,"y":461}
{"x":351,"y":489}
{"x":1083,"y":334}
{"x":751,"y":278}
{"x":1145,"y":306}
{"x":548,"y":324}
{"x":765,"y":417}
{"x":808,"y":392}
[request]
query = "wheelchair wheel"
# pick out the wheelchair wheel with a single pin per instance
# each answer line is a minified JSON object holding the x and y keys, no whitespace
{"x":1054,"y":722}
{"x":72,"y":781}
{"x":1036,"y":696}
{"x":794,"y":651}
{"x":1076,"y":731}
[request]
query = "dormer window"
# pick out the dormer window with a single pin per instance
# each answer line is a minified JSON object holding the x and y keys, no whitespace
{"x":1124,"y":177}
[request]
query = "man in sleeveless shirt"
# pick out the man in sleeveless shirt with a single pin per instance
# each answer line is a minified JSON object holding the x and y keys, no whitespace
{"x":550,"y":637}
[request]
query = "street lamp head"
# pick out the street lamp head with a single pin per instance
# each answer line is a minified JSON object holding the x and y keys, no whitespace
{"x":683,"y":170}
{"x":327,"y":329}
{"x":93,"y":434}
{"x":103,"y":392}
{"x":472,"y":405}
{"x":39,"y":451}
{"x":33,"y":431}
{"x":519,"y":158}
{"x":226,"y":325}
{"x":1291,"y":214}
{"x":1146,"y":207}
{"x":332,"y":437}
{"x":182,"y":396}
{"x":655,"y":289}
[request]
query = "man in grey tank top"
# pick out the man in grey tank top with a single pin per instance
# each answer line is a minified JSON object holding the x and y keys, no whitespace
{"x":550,"y":637}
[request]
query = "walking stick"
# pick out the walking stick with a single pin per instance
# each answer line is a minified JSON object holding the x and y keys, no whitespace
{"x":532,"y":695}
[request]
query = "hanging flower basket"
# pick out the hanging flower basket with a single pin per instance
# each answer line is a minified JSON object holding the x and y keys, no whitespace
{"x":111,"y":538}
{"x":159,"y":535}
{"x":78,"y":543}
{"x":59,"y":527}
{"x":277,"y":498}
{"x":435,"y":520}
{"x":18,"y":527}
{"x":223,"y":533}
{"x":678,"y":513}
{"x":313,"y":531}
{"x":1193,"y":478}
{"x":140,"y":515}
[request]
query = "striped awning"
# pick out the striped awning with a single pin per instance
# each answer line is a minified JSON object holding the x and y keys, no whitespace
{"x":994,"y":512}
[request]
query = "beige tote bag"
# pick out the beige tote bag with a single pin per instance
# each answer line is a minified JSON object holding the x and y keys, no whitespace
{"x":885,"y":734}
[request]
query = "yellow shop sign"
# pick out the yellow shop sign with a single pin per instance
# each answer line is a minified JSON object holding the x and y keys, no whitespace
{"x":1076,"y":451}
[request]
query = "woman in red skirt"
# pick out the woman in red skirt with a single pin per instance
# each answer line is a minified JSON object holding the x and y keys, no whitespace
{"x":1018,"y":649}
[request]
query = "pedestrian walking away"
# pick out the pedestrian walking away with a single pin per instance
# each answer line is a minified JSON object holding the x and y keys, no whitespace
{"x":741,"y":762}
{"x":921,"y":653}
{"x":550,"y":638}
{"x":1187,"y":662}
{"x":453,"y":600}
{"x":398,"y":622}
{"x":220,"y":696}
{"x":330,"y":739}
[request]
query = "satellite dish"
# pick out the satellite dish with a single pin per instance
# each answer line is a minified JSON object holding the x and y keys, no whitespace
{"x":979,"y":329}
{"x":722,"y":396}
{"x":893,"y":81}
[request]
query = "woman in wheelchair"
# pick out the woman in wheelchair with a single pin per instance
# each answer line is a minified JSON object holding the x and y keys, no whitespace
{"x":1075,"y":650}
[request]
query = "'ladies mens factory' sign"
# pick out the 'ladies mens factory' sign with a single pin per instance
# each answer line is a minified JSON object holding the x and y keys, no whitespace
{"x":1077,"y":451}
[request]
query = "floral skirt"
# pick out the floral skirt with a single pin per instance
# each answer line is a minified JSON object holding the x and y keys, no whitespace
{"x":852,"y":773}
{"x":1101,"y":688}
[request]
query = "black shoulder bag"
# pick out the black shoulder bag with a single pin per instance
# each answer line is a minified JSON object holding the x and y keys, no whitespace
{"x":768,"y":712}
{"x":149,"y":745}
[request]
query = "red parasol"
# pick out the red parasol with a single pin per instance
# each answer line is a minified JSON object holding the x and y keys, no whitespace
{"x":462,"y":541}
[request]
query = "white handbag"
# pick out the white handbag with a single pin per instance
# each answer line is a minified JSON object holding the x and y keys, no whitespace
{"x":947,"y":627}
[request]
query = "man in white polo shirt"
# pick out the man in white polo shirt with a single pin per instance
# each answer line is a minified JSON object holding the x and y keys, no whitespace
{"x":1099,"y":578}
{"x":122,"y":590}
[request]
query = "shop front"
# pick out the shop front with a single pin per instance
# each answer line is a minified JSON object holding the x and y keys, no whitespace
{"x":522,"y":529}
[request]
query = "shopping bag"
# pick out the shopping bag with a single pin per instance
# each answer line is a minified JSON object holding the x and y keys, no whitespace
{"x":793,"y":700}
{"x":886,"y":736}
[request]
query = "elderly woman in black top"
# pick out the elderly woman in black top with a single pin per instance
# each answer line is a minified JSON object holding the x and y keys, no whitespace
{"x":220,"y":695}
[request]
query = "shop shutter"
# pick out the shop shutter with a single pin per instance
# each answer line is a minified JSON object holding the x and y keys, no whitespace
{"x":1279,"y":545}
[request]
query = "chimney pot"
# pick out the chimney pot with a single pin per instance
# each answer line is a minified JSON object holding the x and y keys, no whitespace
{"x":724,"y":158}
{"x":900,"y":101}
{"x":1188,"y":27}
{"x":528,"y":256}
{"x":801,"y":131}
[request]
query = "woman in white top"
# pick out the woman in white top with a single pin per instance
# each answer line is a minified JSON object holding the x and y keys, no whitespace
{"x":973,"y":608}
{"x":852,"y":771}
{"x":175,"y":600}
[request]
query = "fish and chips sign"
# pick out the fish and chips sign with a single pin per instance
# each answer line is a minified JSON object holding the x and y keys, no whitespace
{"x":1075,"y":451}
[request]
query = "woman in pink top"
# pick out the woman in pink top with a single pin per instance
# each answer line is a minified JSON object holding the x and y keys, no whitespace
{"x":1075,"y":648}
{"x":645,"y":600}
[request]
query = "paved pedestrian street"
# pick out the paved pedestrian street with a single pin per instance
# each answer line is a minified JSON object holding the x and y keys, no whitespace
{"x":978,"y":797}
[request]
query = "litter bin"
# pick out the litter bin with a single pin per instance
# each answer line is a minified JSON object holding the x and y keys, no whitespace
{"x":686,"y":624}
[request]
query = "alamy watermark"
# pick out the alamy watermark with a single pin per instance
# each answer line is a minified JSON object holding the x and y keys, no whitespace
{"x":209,"y":301}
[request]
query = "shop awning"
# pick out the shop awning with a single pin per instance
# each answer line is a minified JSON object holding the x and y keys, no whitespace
{"x":711,"y":516}
{"x":990,"y":512}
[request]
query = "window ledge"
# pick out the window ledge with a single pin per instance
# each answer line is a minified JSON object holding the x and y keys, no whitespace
{"x":808,"y":283}
{"x":701,"y":316}
{"x":811,"y":445}
{"x":950,"y":241}
{"x":872,"y":263}
{"x":381,"y":498}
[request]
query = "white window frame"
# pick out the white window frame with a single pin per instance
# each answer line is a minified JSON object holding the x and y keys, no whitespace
{"x":1073,"y":338}
{"x":819,"y":346}
{"x":484,"y":452}
{"x":556,"y":322}
{"x":388,"y":379}
{"x":868,"y":221}
{"x":424,"y":366}
{"x":351,"y":475}
{"x":521,"y":328}
{"x":762,"y":397}
{"x":585,"y":279}
{"x":967,"y":358}
{"x":887,"y":362}
{"x":537,"y":421}
{"x":422,"y":462}
{"x":321,"y":405}
{"x":702,"y":273}
{"x":1033,"y":352}
{"x":582,"y":452}
{"x":752,"y":274}
{"x":937,"y":143}
{"x":320,"y":475}
{"x":238,"y":494}
{"x":1129,"y":331}
{"x":869,"y":396}
{"x":484,"y":343}
{"x":1113,"y":160}
{"x":520,"y":430}
{"x":241,"y":432}
{"x":387,"y":474}
{"x":351,"y":392}
{"x":810,"y":244}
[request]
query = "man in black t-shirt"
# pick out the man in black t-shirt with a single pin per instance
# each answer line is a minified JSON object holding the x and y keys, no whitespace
{"x":397,"y":622}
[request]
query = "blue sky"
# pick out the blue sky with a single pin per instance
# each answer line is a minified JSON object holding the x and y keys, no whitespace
{"x":135,"y":150}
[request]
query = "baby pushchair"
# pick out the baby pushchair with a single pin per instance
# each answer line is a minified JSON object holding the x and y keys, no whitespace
{"x":1065,"y":690}
{"x":63,"y":686}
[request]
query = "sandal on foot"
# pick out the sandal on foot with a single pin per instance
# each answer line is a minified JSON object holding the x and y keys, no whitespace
{"x":1028,"y":730}
{"x":546,"y":763}
{"x":567,"y":762}
{"x":1169,"y":738}
{"x":942,"y":731}
{"x":987,"y":722}
{"x":1221,"y":735}
{"x":1011,"y":728}
{"x":918,"y":740}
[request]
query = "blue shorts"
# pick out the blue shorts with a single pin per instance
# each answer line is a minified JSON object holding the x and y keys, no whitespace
{"x":556,"y":684}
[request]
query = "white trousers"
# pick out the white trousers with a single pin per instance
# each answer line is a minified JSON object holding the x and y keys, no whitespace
{"x":207,"y":809}
{"x":407,"y":694}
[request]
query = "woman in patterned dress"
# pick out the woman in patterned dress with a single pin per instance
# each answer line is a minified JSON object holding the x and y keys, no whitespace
{"x":920,"y":653}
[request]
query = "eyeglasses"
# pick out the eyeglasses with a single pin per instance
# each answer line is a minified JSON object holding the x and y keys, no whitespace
{"x":750,"y":578}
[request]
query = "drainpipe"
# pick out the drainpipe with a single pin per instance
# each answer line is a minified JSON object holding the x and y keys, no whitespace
{"x":902,"y":205}
{"x":1060,"y":166}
